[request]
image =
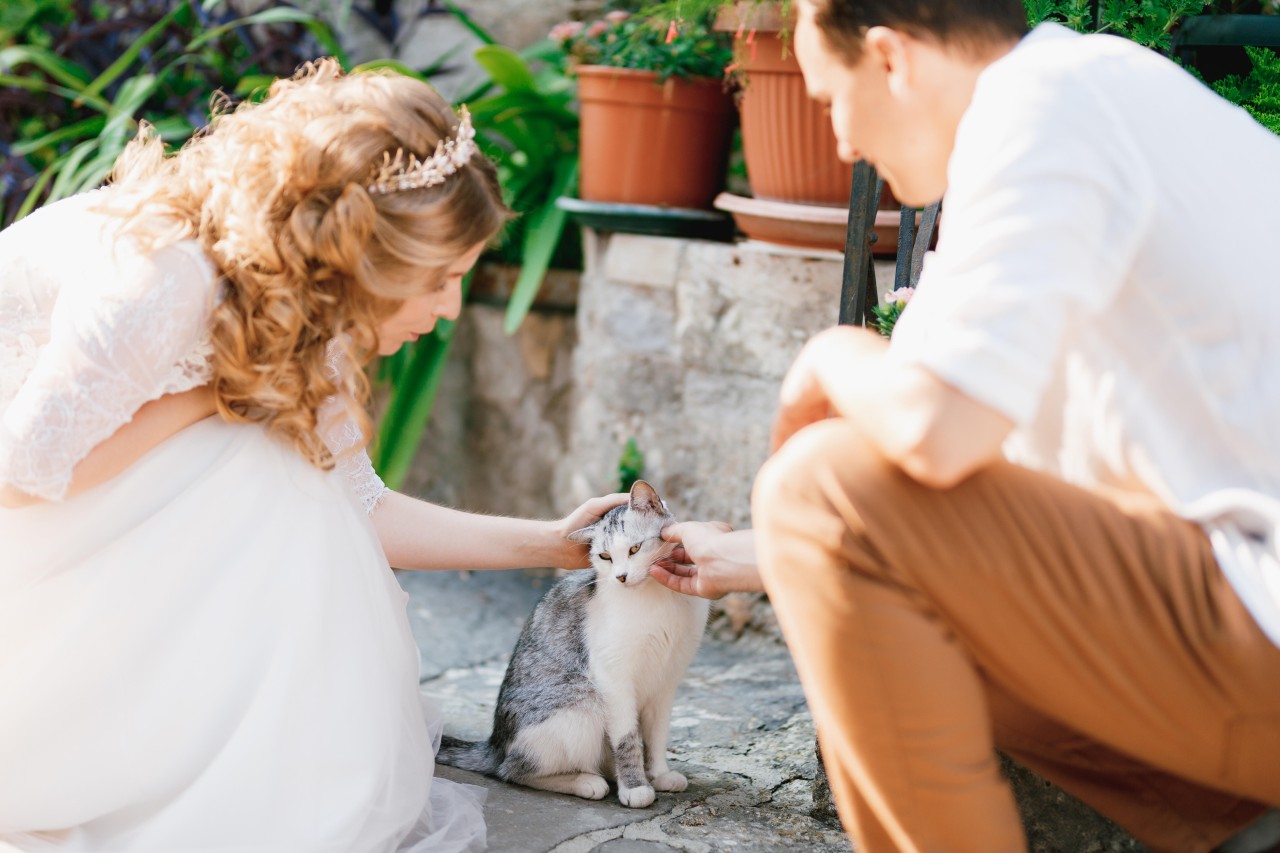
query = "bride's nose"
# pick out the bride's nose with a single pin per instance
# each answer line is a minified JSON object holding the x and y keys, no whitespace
{"x":450,"y":304}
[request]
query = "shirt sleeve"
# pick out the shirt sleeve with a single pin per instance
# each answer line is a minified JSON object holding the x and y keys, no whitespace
{"x":1047,"y":202}
{"x":112,"y":344}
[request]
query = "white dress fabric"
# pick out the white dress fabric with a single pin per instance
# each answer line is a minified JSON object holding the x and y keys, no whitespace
{"x":208,"y":652}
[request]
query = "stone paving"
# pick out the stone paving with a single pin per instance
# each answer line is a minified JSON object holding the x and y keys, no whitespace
{"x":740,"y":731}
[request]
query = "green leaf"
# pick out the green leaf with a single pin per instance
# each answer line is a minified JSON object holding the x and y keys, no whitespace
{"x":411,"y":400}
{"x":250,"y":84}
{"x":325,"y":36}
{"x":63,"y":70}
{"x":475,"y":29}
{"x":553,"y":84}
{"x":33,"y":197}
{"x":33,"y":85}
{"x":65,"y":168}
{"x":394,"y":65}
{"x":132,"y":95}
{"x":441,"y":62}
{"x":522,"y":104}
{"x":506,"y":68}
{"x":545,"y":50}
{"x":542,"y":235}
{"x":89,"y":127}
{"x":173,"y":128}
{"x":630,"y":466}
{"x":277,"y":15}
{"x":131,"y":54}
{"x":93,"y":173}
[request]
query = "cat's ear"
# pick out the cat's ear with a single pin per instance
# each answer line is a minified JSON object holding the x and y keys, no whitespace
{"x":645,"y":499}
{"x":582,"y":534}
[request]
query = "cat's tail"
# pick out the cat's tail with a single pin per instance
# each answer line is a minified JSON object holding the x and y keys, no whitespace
{"x":476,"y":756}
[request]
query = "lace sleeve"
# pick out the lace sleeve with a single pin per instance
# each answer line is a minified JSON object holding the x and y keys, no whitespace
{"x":113,"y":344}
{"x":341,"y":433}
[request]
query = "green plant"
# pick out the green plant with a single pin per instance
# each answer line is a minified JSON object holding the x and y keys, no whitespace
{"x":1153,"y":23}
{"x":630,"y":466}
{"x":530,"y":127}
{"x":77,"y":77}
{"x":1259,"y":90}
{"x":1150,"y":23}
{"x":885,"y":316}
{"x":645,"y":41}
{"x":411,"y":381}
{"x":708,"y":10}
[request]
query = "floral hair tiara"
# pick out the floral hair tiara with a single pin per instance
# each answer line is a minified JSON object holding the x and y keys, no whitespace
{"x":409,"y":173}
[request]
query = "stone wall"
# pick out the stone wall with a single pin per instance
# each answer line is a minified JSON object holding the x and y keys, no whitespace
{"x":500,"y":425}
{"x":682,"y":346}
{"x":678,"y":344}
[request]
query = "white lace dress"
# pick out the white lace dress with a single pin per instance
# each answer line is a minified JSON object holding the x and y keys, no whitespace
{"x":209,"y":652}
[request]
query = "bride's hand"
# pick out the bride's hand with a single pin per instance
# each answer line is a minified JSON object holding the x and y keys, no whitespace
{"x":573,"y":554}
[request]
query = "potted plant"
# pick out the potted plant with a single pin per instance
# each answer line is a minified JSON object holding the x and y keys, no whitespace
{"x":787,"y":140}
{"x":656,"y":114}
{"x":799,"y":187}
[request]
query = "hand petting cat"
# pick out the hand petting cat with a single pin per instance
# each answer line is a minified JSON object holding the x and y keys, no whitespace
{"x":711,"y":559}
{"x":577,"y":555}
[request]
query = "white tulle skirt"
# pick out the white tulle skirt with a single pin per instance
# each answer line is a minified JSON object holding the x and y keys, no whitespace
{"x":209,"y":653}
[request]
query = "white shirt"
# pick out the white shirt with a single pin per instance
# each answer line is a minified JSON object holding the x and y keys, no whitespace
{"x":1107,"y":277}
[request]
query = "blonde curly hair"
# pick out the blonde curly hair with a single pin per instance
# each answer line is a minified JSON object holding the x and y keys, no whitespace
{"x":276,"y":194}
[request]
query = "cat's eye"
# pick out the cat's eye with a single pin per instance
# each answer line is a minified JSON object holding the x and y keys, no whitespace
{"x":634,"y":548}
{"x":604,"y":555}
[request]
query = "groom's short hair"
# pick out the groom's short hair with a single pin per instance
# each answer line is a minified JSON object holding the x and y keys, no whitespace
{"x":962,"y":23}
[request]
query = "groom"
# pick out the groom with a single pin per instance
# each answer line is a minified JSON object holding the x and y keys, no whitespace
{"x":1107,"y":610}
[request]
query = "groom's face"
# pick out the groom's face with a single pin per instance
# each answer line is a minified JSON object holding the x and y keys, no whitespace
{"x":879,"y":105}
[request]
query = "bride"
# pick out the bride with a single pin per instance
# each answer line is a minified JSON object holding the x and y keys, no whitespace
{"x":201,"y":644}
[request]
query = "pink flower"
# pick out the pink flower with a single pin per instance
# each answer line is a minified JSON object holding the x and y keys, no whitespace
{"x":565,"y":31}
{"x":902,"y":295}
{"x":617,"y":16}
{"x":597,"y":29}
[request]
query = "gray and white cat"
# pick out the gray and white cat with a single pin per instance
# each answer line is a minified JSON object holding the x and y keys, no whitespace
{"x":589,"y":688}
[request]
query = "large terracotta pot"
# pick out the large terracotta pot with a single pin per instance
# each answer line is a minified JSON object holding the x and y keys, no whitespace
{"x":650,"y":142}
{"x":787,"y":139}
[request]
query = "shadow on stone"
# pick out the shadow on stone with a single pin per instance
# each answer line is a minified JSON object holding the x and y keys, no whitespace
{"x":1054,"y":821}
{"x":1057,"y":822}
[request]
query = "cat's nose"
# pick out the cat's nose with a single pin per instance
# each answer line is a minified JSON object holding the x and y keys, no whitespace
{"x":622,"y":578}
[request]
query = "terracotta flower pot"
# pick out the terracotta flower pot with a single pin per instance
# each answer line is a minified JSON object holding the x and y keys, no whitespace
{"x":787,"y":139}
{"x":649,"y":142}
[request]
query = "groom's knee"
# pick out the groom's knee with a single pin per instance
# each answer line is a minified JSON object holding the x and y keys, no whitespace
{"x":827,"y":466}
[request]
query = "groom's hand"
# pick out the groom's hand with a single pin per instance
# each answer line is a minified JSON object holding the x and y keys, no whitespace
{"x":710,"y":560}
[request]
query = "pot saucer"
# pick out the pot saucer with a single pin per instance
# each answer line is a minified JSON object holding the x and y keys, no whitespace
{"x":809,"y":226}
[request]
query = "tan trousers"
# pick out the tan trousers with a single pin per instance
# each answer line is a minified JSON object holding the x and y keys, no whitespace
{"x":1093,"y":638}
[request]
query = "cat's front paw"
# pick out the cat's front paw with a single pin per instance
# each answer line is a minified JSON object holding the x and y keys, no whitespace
{"x":637,"y":798}
{"x":589,"y":786}
{"x":672,"y":782}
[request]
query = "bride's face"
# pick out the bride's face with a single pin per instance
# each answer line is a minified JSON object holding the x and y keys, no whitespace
{"x":418,"y":314}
